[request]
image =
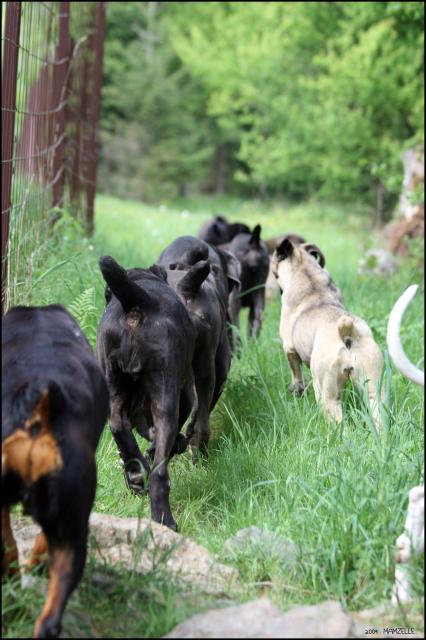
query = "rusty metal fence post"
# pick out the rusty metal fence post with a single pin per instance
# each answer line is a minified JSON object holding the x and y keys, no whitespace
{"x":60,"y":79}
{"x":8,"y":104}
{"x":94,"y":114}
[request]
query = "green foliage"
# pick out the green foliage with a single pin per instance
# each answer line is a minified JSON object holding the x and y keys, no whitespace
{"x":155,"y":127}
{"x":84,"y":311}
{"x":298,"y":98}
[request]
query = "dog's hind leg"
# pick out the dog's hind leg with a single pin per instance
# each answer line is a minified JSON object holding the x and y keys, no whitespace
{"x":66,"y":564}
{"x":136,"y":468}
{"x":298,"y":386}
{"x":330,"y":396}
{"x":375,"y":397}
{"x":222,"y":364}
{"x":9,"y":548}
{"x":191,"y":397}
{"x":39,"y":551}
{"x":234,"y":308}
{"x":256,"y":312}
{"x":165,"y":411}
{"x":205,"y":379}
{"x":188,"y":411}
{"x":370,"y":373}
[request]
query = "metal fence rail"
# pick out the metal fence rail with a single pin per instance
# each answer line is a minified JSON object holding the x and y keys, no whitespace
{"x":51,"y":84}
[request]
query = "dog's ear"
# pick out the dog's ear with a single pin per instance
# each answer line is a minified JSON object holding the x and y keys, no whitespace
{"x":255,"y":236}
{"x":194,"y":278}
{"x":158,"y":271}
{"x":233,"y":270}
{"x":295,"y":238}
{"x":316,"y":252}
{"x":284,"y":249}
{"x":221,"y":219}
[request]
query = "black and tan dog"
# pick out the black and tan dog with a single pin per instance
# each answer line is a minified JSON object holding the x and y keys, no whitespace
{"x":145,"y":346}
{"x":253,"y":256}
{"x":54,"y":407}
{"x":220,"y":231}
{"x":316,"y":329}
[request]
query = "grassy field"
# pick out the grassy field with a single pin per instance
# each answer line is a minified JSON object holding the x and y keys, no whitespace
{"x":339,"y":493}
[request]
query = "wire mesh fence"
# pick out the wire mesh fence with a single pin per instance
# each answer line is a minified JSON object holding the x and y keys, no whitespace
{"x":51,"y":81}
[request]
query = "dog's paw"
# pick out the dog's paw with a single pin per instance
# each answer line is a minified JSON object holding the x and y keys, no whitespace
{"x":137,"y":480}
{"x":297,"y":388}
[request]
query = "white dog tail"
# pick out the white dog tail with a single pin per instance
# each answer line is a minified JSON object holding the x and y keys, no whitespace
{"x":396,"y":351}
{"x":346,"y":329}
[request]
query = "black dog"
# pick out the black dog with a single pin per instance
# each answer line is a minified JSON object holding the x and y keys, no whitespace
{"x":254,"y":260}
{"x":54,"y":407}
{"x":197,"y":288}
{"x":145,"y":346}
{"x":220,"y":231}
{"x":187,"y":251}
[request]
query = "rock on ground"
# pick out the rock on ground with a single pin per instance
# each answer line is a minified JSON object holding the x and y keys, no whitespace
{"x":140,"y":545}
{"x":254,"y":541}
{"x":378,"y":262}
{"x":262,"y":619}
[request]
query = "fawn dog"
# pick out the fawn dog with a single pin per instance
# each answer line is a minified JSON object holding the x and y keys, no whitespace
{"x":316,"y":329}
{"x":54,"y":407}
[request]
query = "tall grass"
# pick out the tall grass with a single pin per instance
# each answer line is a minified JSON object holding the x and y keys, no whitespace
{"x":339,"y":493}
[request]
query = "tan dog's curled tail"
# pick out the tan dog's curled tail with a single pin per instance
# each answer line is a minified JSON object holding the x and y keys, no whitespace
{"x":345,"y":327}
{"x":32,"y":451}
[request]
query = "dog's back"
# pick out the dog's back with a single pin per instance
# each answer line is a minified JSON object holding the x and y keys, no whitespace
{"x":220,"y":231}
{"x":44,"y":349}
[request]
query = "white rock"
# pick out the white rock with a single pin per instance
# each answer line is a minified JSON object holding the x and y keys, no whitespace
{"x":256,"y":541}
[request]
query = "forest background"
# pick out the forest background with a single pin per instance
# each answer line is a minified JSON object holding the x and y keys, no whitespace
{"x":269,"y":99}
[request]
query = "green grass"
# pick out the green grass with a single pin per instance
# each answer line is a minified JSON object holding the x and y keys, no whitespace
{"x":338,"y":492}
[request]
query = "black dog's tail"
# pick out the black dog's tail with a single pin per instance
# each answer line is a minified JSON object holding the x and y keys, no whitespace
{"x":32,"y":450}
{"x":195,"y":254}
{"x":255,"y":235}
{"x":194,"y":278}
{"x":128,"y":292}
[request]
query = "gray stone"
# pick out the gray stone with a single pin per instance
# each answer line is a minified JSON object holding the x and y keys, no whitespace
{"x":378,"y":262}
{"x":256,"y":541}
{"x":142,"y":545}
{"x":262,"y":619}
